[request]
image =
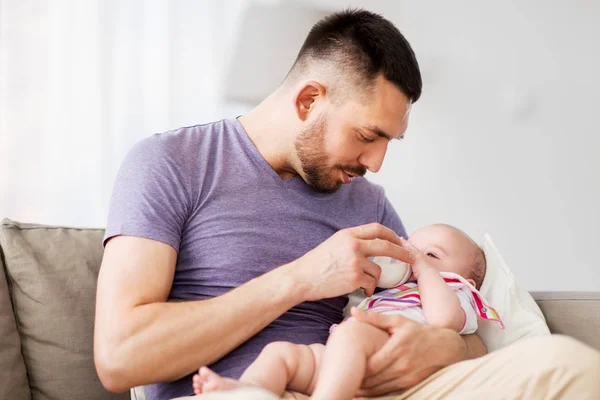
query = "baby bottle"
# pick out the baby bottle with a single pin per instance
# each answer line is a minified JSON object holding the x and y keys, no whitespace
{"x":393,"y":272}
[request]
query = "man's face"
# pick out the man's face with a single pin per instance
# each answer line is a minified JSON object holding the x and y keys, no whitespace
{"x":346,"y":140}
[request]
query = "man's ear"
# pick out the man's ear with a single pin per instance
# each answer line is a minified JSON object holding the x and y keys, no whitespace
{"x":472,"y":282}
{"x":307,"y":97}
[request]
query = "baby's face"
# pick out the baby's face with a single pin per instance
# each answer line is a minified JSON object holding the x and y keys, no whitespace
{"x":449,"y":250}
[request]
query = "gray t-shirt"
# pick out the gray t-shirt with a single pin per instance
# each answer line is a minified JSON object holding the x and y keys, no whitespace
{"x":207,"y":191}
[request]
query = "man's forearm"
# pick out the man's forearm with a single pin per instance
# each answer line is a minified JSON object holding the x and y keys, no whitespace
{"x":453,"y":348}
{"x":475,"y":346}
{"x":165,"y":341}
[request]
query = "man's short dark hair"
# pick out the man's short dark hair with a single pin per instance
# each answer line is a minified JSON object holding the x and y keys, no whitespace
{"x":364,"y":45}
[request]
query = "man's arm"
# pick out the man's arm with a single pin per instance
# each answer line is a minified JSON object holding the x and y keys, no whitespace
{"x":140,"y":338}
{"x":475,"y":347}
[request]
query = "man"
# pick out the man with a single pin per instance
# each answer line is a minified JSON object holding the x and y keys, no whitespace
{"x":227,"y":236}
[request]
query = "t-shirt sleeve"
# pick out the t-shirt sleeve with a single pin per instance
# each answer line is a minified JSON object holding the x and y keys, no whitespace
{"x":150,"y":196}
{"x":390,"y":218}
{"x":466,"y":303}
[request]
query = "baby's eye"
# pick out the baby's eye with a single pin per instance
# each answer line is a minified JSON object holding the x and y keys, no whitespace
{"x":432,"y":255}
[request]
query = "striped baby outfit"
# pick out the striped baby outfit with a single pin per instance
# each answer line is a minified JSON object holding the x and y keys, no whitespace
{"x":406,"y":300}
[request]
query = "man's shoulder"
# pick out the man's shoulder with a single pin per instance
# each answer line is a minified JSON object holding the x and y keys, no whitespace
{"x":186,"y":146}
{"x":188,"y":138}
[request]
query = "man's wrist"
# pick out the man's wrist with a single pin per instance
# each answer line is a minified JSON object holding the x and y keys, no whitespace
{"x":291,"y":291}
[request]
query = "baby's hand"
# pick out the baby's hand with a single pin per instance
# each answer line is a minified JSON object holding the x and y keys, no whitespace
{"x":421,"y":260}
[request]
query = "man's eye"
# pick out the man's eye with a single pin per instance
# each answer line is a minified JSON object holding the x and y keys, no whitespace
{"x":432,"y":255}
{"x":366,"y":139}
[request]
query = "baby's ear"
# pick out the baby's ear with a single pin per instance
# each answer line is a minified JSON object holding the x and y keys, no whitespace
{"x":472,"y":282}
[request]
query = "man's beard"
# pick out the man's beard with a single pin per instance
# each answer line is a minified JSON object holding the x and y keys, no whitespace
{"x":310,"y":147}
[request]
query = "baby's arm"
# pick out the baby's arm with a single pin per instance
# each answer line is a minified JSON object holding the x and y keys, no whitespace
{"x":440,"y":303}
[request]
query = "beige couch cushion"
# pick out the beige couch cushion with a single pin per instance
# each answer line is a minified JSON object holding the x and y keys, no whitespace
{"x":13,"y":376}
{"x":572,"y":313}
{"x":53,"y":274}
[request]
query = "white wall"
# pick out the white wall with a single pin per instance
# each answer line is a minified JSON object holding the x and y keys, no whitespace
{"x":503,"y":140}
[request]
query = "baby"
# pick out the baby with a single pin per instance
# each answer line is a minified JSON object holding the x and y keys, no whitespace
{"x":442,"y":291}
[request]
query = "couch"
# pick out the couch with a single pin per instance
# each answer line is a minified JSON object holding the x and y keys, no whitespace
{"x":47,"y":297}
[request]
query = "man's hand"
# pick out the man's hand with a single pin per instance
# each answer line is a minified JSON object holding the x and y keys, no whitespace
{"x":339,"y":265}
{"x":413,"y":352}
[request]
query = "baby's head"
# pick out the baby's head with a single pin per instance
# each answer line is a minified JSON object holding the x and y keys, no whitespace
{"x":451,"y":250}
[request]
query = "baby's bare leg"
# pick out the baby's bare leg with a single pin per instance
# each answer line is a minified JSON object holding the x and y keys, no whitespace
{"x":345,"y":360}
{"x":284,"y":365}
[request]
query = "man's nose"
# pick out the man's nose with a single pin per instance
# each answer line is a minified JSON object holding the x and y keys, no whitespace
{"x":373,"y":158}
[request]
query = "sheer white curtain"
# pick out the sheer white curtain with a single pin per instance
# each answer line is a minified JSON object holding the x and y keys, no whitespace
{"x":81,"y":81}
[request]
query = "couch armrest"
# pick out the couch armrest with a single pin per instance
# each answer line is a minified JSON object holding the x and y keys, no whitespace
{"x":576,"y":314}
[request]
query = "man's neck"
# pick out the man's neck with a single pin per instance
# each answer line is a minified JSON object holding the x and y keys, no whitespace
{"x":273,"y":137}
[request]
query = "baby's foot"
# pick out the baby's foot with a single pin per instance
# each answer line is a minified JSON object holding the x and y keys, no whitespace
{"x":208,"y":381}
